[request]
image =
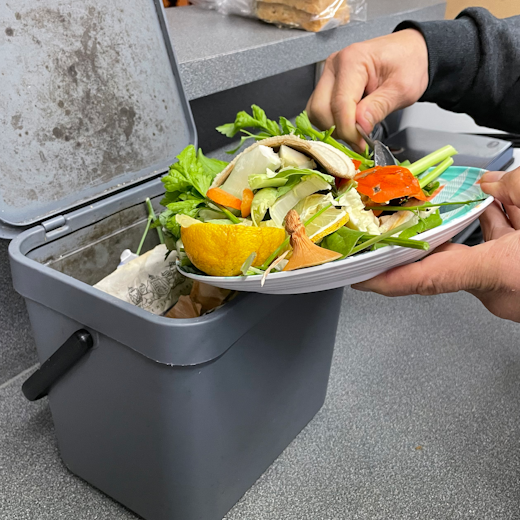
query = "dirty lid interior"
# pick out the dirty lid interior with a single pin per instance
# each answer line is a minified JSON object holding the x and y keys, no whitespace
{"x":91,"y":102}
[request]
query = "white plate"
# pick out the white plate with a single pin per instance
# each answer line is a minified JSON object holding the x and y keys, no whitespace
{"x":460,"y":185}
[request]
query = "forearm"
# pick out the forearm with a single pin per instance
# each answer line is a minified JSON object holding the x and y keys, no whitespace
{"x":474,"y":66}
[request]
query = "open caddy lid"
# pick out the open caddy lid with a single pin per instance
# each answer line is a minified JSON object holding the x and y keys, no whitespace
{"x":92,"y":102}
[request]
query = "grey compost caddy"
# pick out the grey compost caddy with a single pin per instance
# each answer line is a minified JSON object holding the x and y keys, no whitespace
{"x":175,"y":419}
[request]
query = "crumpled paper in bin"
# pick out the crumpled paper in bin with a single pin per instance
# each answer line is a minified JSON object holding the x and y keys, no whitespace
{"x":202,"y":299}
{"x":150,"y":281}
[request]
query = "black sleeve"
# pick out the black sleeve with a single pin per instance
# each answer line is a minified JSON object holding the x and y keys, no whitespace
{"x":474,"y":66}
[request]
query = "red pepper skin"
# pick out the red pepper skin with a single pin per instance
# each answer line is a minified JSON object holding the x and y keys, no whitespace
{"x":384,"y":183}
{"x":423,"y":197}
{"x":341,"y":182}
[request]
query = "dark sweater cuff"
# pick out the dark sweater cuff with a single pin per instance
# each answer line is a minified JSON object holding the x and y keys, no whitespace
{"x":452,"y":60}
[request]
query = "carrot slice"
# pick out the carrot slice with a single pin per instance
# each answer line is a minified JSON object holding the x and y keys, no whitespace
{"x":357,"y":164}
{"x":224,"y":198}
{"x":247,"y":199}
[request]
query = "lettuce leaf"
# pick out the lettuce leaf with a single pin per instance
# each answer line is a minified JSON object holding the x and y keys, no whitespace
{"x":289,"y":172}
{"x":261,"y":180}
{"x":286,"y":178}
{"x":185,"y":207}
{"x":169,"y":197}
{"x":211,"y":166}
{"x":175,"y":181}
{"x":193,"y":170}
{"x":186,"y":185}
{"x":343,"y":241}
{"x":286,"y":188}
{"x":430,"y":222}
{"x":262,"y":201}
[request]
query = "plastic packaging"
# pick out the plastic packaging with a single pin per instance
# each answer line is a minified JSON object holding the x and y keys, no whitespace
{"x":310,"y":15}
{"x":150,"y":281}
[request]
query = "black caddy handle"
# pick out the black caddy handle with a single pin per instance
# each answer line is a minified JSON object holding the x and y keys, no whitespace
{"x":39,"y":384}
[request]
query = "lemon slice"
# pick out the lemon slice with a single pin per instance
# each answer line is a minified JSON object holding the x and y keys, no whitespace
{"x":186,"y":221}
{"x":221,"y":250}
{"x":312,"y":204}
{"x":328,"y":222}
{"x":268,"y":223}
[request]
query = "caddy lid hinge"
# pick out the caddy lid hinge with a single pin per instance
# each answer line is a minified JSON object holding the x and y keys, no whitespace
{"x":59,"y":222}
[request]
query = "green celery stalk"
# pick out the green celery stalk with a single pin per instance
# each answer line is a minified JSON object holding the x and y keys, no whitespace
{"x":228,"y":213}
{"x":403,"y":242}
{"x":424,"y":206}
{"x":432,"y":159}
{"x":380,"y":238}
{"x":436,"y":172}
{"x":275,"y":254}
{"x":151,"y":218}
{"x":151,"y":213}
{"x":317,"y":214}
{"x":146,"y":229}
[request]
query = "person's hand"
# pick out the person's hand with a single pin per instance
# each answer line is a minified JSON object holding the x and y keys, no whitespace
{"x":489,"y":271}
{"x":392,"y":71}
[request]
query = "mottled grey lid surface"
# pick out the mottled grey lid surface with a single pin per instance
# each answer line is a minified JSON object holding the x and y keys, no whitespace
{"x":90,"y":102}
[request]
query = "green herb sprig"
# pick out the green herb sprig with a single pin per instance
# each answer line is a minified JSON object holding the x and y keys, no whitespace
{"x":426,"y":205}
{"x":270,"y":128}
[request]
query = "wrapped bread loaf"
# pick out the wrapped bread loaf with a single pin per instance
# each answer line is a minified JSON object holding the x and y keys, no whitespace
{"x":311,"y":15}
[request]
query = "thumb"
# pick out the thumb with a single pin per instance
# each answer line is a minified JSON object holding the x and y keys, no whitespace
{"x":452,"y":268}
{"x":377,"y":106}
{"x":505,"y":188}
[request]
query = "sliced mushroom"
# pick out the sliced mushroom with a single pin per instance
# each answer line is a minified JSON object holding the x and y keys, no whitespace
{"x":305,"y":252}
{"x":331,"y":159}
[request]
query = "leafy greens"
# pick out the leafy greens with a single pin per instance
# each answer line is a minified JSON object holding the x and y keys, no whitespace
{"x":269,"y":128}
{"x":424,"y":224}
{"x":186,"y":184}
{"x":343,"y":241}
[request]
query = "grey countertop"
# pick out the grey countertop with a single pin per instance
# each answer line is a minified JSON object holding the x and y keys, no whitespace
{"x":217,"y":52}
{"x":422,"y":417}
{"x":422,"y":421}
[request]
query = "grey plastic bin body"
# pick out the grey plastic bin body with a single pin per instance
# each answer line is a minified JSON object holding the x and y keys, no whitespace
{"x":175,"y":419}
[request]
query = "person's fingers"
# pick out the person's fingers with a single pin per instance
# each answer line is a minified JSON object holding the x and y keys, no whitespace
{"x":318,"y":106}
{"x":453,"y":269}
{"x":494,"y":222}
{"x":492,"y":176}
{"x":513,"y":213}
{"x":506,"y":189}
{"x":448,"y":246}
{"x":351,"y":80}
{"x":377,"y":106}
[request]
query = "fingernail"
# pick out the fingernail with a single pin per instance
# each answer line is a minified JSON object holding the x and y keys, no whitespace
{"x":491,"y":177}
{"x":360,"y":287}
{"x":488,"y":187}
{"x":370,"y":118}
{"x":361,"y":145}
